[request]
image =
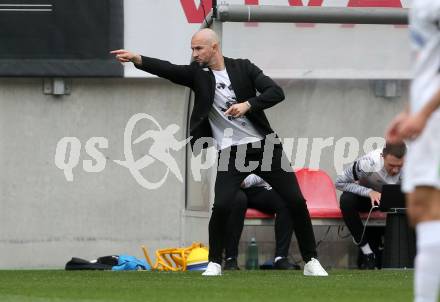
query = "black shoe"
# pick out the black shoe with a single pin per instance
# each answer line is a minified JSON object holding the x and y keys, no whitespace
{"x":368,"y":262}
{"x":231,"y":265}
{"x":284,"y":264}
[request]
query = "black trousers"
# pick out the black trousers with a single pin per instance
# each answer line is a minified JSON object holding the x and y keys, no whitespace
{"x":264,"y":200}
{"x":351,"y":204}
{"x":284,"y":182}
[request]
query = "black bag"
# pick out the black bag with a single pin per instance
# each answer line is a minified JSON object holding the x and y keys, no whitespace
{"x":102,"y":263}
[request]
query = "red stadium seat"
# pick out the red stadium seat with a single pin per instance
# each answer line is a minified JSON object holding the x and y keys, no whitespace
{"x":254,"y":214}
{"x":320,"y":193}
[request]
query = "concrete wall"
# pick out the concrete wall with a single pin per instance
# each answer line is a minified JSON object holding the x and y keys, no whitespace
{"x":45,"y":220}
{"x":333,"y":108}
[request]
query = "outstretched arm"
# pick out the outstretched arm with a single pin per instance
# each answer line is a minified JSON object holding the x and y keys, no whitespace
{"x":125,"y":56}
{"x":179,"y":74}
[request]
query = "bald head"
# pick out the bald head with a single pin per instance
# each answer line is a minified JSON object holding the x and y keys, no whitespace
{"x":206,"y":49}
{"x":206,"y":35}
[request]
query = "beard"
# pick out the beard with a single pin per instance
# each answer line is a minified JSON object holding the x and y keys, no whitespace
{"x":203,"y":64}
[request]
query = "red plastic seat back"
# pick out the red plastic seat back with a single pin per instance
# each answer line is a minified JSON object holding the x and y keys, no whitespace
{"x":319,"y":191}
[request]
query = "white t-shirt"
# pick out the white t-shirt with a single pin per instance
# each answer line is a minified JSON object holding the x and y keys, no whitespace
{"x":243,"y":131}
{"x":425,"y":42}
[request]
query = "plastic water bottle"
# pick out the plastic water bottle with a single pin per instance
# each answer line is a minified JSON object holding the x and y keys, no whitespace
{"x":252,"y":255}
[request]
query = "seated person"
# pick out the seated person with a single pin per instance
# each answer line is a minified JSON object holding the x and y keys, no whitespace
{"x":361,"y":183}
{"x":258,"y":194}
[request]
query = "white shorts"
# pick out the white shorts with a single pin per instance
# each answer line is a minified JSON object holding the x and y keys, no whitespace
{"x":422,"y":161}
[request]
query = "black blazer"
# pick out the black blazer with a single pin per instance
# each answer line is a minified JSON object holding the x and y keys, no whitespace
{"x":246,"y":79}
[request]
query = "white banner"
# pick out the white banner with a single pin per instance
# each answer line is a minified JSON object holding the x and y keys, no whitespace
{"x":163,"y":29}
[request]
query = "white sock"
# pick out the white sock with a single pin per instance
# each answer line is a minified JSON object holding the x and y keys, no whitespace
{"x":366,"y":249}
{"x":427,"y":266}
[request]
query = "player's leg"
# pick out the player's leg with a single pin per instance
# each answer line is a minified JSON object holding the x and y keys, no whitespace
{"x":227,"y":185}
{"x":286,"y":185}
{"x":424,"y":213}
{"x":235,"y":228}
{"x":421,"y":180}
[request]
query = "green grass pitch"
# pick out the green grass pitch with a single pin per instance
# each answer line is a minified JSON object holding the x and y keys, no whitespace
{"x":268,"y":286}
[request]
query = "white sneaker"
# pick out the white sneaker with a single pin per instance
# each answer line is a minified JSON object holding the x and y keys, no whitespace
{"x":314,"y":268}
{"x":213,"y":269}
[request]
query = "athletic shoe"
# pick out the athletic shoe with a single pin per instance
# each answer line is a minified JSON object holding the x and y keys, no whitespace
{"x":213,"y":269}
{"x":314,"y":268}
{"x":368,"y":262}
{"x":284,"y":264}
{"x":231,"y":265}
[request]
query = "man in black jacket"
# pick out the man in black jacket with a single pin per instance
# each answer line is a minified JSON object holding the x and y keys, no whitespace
{"x":228,"y":109}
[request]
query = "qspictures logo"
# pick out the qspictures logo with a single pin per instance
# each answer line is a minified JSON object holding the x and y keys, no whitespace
{"x":164,"y":142}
